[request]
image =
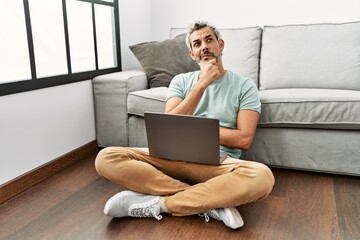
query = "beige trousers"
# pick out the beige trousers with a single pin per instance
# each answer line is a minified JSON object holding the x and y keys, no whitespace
{"x":188,"y":188}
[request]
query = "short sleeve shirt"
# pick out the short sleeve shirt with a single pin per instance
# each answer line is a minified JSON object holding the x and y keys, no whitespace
{"x":222,"y":100}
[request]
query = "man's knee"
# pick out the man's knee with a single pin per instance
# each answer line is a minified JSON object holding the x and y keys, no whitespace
{"x":100,"y":160}
{"x":105,"y":157}
{"x":260,"y":180}
{"x":267,"y":177}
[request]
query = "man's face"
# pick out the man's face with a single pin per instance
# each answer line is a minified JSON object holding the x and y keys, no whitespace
{"x":205,"y":45}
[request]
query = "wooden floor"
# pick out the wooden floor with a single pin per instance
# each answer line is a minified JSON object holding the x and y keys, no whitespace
{"x":69,"y":205}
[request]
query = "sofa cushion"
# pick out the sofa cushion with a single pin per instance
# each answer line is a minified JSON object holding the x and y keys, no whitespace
{"x":310,"y":108}
{"x":163,"y":60}
{"x":149,"y":100}
{"x":241,"y":52}
{"x":311,"y":56}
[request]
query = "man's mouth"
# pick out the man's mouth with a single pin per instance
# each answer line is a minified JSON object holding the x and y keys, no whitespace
{"x":206,"y":55}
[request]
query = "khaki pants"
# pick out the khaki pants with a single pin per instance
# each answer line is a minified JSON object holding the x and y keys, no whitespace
{"x":188,"y":188}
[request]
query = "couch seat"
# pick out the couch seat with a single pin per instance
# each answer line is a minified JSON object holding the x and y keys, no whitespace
{"x":310,"y":108}
{"x":149,"y":100}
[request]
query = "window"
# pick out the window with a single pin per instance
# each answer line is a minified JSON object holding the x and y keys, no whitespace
{"x":47,"y":43}
{"x":14,"y":57}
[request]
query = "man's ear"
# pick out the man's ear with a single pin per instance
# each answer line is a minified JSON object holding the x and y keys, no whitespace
{"x":192,"y":55}
{"x":222,"y":44}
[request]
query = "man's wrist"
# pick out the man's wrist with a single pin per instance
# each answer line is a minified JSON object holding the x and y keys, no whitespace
{"x":202,"y":84}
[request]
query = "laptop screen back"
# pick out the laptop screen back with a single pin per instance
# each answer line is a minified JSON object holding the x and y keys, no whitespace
{"x":183,"y":137}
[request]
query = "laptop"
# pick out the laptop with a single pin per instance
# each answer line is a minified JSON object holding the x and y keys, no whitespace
{"x":184,"y":138}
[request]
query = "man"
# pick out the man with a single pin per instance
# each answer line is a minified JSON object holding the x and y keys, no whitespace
{"x":181,"y":188}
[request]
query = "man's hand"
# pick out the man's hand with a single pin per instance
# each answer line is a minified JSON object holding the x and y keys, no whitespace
{"x":209,"y":72}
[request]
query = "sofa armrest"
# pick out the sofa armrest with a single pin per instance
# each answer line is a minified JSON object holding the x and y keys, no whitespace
{"x":110,"y":97}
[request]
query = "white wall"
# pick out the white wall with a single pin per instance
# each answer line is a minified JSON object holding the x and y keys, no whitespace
{"x":39,"y":126}
{"x":135,"y":27}
{"x":244,"y":13}
{"x":224,"y":14}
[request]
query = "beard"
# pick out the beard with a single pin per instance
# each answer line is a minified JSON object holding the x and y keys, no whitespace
{"x":207,"y":54}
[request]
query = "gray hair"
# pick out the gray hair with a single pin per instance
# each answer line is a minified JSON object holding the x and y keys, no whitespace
{"x":199,"y":25}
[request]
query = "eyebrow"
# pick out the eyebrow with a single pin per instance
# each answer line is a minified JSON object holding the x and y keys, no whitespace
{"x":206,"y":37}
{"x":209,"y":36}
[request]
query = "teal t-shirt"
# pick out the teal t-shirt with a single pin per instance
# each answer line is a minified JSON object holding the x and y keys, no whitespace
{"x":222,"y":100}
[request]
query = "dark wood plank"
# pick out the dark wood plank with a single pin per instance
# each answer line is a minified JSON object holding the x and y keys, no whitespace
{"x":69,"y":205}
{"x":32,"y":204}
{"x":347,"y":191}
{"x":301,"y":206}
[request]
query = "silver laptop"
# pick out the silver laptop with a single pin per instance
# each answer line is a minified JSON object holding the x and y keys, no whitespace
{"x":184,"y":138}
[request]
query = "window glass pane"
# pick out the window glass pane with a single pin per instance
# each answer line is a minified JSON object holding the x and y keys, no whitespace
{"x":105,"y":36}
{"x":48,"y":36}
{"x":14,"y":57}
{"x":81,"y":36}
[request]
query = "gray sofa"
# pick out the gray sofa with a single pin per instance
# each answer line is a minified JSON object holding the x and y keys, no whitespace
{"x":308,"y":78}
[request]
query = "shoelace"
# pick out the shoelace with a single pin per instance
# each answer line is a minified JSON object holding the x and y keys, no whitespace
{"x":209,"y":214}
{"x":146,"y":210}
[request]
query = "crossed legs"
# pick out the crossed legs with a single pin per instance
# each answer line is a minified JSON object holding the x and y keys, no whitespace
{"x":187,"y":188}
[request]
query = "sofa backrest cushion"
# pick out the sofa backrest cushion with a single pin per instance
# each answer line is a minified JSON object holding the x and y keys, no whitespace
{"x":311,"y":56}
{"x":241,"y":52}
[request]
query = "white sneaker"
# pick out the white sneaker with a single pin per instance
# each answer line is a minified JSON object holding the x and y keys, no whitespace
{"x":133,"y":204}
{"x":230,"y":216}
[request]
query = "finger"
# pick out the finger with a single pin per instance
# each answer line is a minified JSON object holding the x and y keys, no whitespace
{"x":212,"y":61}
{"x":203,"y":63}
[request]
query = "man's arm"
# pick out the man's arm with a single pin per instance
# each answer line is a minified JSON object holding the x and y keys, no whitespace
{"x":187,"y":106}
{"x":243,"y":136}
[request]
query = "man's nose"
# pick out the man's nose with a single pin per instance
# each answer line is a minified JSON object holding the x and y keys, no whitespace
{"x":204,"y":47}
